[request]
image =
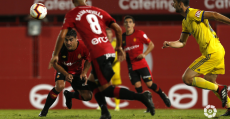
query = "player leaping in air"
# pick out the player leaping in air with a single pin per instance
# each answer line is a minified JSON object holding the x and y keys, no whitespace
{"x":211,"y":62}
{"x":91,"y":23}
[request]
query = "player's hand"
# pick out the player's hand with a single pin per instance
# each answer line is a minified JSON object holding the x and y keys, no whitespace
{"x":166,"y":44}
{"x":120,"y":54}
{"x":53,"y":60}
{"x":141,"y":56}
{"x":69,"y":78}
{"x":84,"y":76}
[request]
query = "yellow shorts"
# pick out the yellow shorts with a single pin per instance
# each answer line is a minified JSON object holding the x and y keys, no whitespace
{"x":210,"y":64}
{"x":116,"y":79}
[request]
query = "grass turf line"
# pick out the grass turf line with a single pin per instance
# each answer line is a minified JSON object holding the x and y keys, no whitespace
{"x":122,"y":114}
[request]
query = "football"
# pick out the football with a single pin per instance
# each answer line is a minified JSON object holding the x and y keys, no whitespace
{"x":38,"y":11}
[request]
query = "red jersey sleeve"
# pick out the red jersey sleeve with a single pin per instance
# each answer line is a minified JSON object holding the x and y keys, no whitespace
{"x":68,"y":21}
{"x":144,"y":38}
{"x":107,"y":18}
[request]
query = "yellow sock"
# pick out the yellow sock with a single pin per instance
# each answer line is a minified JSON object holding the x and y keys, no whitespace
{"x":117,"y":101}
{"x":204,"y":84}
{"x":228,"y":99}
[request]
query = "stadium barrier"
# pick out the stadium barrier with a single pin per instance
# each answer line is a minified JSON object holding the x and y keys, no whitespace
{"x":20,"y":90}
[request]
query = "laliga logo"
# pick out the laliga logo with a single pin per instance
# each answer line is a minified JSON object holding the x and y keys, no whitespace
{"x":210,"y":111}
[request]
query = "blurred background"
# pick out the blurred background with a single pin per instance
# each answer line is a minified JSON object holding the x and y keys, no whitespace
{"x":27,"y":45}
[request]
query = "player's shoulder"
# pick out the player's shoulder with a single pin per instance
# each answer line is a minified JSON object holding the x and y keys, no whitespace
{"x":192,"y":12}
{"x":139,"y":31}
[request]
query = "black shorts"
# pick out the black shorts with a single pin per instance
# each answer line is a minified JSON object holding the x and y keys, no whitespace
{"x":102,"y":69}
{"x":77,"y":83}
{"x":136,"y":75}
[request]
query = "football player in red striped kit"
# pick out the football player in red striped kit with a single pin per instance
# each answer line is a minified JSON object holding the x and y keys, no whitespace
{"x":69,"y":68}
{"x":91,"y":23}
{"x":132,"y":43}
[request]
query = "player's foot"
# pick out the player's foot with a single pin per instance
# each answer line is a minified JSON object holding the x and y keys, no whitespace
{"x":43,"y":113}
{"x":149,"y":102}
{"x":166,"y":100}
{"x":147,"y":111}
{"x":227,"y":113}
{"x":105,"y":116}
{"x":117,"y":108}
{"x":223,"y":92}
{"x":68,"y":100}
{"x":98,"y":108}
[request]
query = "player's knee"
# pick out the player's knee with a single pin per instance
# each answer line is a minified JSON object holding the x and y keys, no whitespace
{"x":187,"y":80}
{"x":60,"y":87}
{"x":149,"y":84}
{"x":87,"y":97}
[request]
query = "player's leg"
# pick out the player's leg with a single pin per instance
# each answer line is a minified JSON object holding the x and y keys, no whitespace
{"x":204,"y":65}
{"x":81,"y":91}
{"x":52,"y":96}
{"x":148,"y":79}
{"x":104,"y":73}
{"x":220,"y":69}
{"x":100,"y":98}
{"x":116,"y":81}
{"x":135,"y":79}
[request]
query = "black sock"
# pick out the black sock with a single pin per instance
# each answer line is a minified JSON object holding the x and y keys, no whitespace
{"x":75,"y":95}
{"x":156,"y":89}
{"x":52,"y":96}
{"x":139,"y":90}
{"x":100,"y":98}
{"x":123,"y":93}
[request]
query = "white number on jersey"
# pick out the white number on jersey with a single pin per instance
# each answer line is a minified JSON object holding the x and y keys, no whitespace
{"x":94,"y":24}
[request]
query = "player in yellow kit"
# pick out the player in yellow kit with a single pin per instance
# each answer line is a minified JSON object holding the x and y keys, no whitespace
{"x":116,"y":79}
{"x":211,"y":62}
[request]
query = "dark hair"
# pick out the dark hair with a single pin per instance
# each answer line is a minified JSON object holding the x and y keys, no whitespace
{"x":129,"y":17}
{"x":186,"y":2}
{"x":71,"y":32}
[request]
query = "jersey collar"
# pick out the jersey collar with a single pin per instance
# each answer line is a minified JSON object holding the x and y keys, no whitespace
{"x":187,"y":12}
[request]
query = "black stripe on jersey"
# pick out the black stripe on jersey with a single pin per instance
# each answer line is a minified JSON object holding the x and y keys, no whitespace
{"x":201,"y":62}
{"x":123,"y":40}
{"x":128,"y":61}
{"x":64,"y":52}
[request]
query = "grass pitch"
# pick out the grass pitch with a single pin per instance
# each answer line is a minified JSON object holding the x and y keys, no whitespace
{"x":122,"y":114}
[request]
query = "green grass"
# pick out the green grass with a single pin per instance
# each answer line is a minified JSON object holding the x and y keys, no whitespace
{"x":122,"y":114}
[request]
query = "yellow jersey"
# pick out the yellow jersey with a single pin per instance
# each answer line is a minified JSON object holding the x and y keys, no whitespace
{"x":114,"y":45}
{"x":195,"y":24}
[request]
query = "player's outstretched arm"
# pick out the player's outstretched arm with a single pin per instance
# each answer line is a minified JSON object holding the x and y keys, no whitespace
{"x":216,"y":16}
{"x":177,"y":44}
{"x":58,"y":46}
